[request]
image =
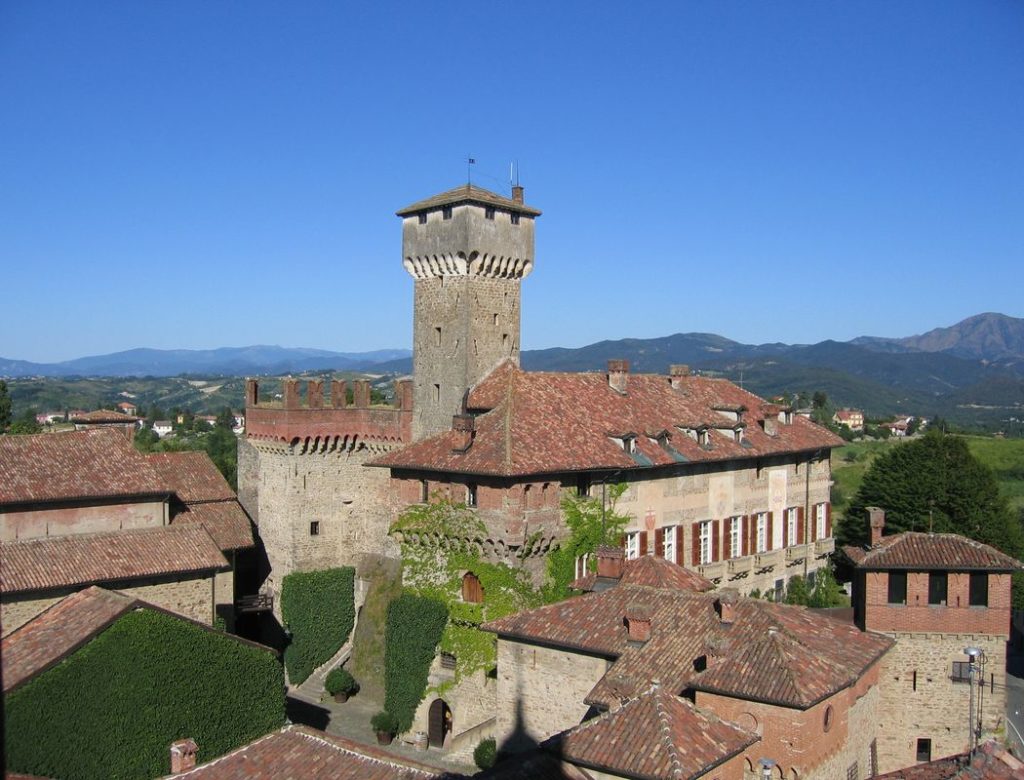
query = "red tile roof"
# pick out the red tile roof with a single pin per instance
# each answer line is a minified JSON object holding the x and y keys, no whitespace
{"x":101,"y":416}
{"x":299,"y":752}
{"x":654,"y":572}
{"x":99,"y":463}
{"x":657,"y":735}
{"x":59,"y":631}
{"x":991,"y":761}
{"x":538,"y":423}
{"x":770,"y":652}
{"x":916,"y":550}
{"x":83,"y":559}
{"x":225,"y":521}
{"x":467,"y":193}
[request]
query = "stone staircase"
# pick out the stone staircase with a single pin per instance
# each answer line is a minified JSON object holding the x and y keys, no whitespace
{"x":312,"y":688}
{"x":460,"y":749}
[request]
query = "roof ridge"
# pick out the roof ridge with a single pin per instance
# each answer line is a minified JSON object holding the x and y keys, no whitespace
{"x":666,"y":732}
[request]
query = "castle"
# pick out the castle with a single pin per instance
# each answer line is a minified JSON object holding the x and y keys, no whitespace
{"x":718,"y":480}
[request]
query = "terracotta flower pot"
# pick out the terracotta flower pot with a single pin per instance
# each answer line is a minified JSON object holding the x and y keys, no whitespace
{"x":384,"y":737}
{"x":341,"y":697}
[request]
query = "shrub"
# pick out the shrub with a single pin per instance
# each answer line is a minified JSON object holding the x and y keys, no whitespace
{"x":384,"y":721}
{"x":319,"y":610}
{"x":485,"y":753}
{"x":339,"y":680}
{"x":414,"y":628}
{"x":112,"y":708}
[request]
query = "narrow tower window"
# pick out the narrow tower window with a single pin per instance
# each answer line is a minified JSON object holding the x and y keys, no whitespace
{"x":437,"y":337}
{"x":423,"y":217}
{"x":437,"y":394}
{"x":446,"y":212}
{"x":515,"y":219}
{"x":489,"y":213}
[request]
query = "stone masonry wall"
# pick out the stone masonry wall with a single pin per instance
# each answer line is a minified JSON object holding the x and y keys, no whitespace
{"x":192,"y":598}
{"x":541,"y":691}
{"x":919,"y":700}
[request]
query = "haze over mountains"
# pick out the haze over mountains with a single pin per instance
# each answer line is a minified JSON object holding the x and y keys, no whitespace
{"x":977,"y":364}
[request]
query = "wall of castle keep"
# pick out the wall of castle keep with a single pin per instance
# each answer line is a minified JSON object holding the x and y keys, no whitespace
{"x":919,"y":700}
{"x":541,"y":691}
{"x":193,"y":598}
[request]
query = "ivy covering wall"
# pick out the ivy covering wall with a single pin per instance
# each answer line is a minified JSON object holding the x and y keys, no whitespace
{"x":318,"y":609}
{"x":414,"y":628}
{"x":112,"y":708}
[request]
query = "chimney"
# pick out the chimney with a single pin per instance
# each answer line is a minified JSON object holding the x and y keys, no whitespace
{"x":714,"y":649}
{"x":361,"y":393}
{"x":876,"y":519}
{"x":618,"y":373}
{"x":770,"y":413}
{"x":517,"y":193}
{"x":725,"y":605}
{"x":610,"y":561}
{"x":292,"y":399}
{"x":638,"y":623}
{"x":315,"y":394}
{"x":676,"y":373}
{"x":464,"y":426}
{"x":339,"y":393}
{"x":183,"y":756}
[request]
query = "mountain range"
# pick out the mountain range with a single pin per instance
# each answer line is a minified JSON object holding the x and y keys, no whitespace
{"x":972,"y":372}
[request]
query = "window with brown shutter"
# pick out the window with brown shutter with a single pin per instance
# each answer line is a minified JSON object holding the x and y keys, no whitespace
{"x":828,"y":520}
{"x":643,"y":544}
{"x":695,"y":539}
{"x":716,"y":540}
{"x":659,"y":542}
{"x":799,"y":525}
{"x":745,"y":520}
{"x":770,"y":539}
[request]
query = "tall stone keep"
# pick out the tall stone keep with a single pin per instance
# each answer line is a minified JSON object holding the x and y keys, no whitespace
{"x":468,"y":249}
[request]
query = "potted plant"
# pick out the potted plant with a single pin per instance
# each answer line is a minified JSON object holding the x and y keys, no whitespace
{"x":340,"y":684}
{"x":386,"y":726}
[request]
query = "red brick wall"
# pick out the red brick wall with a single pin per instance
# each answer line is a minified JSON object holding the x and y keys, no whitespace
{"x":918,"y":615}
{"x":288,"y":424}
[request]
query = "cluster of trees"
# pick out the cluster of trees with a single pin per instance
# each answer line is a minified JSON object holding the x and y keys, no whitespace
{"x":23,"y":423}
{"x":217,"y":440}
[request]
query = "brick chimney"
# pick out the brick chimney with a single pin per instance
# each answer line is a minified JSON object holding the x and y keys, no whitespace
{"x":464,"y":426}
{"x":638,"y":623}
{"x":183,"y":756}
{"x":676,"y":373}
{"x":361,"y":393}
{"x":610,"y":561}
{"x":252,"y":392}
{"x":770,"y":413}
{"x":876,"y":520}
{"x":618,"y":374}
{"x":725,"y":605}
{"x":517,"y":193}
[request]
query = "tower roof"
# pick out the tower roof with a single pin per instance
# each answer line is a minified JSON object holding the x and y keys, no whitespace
{"x":468,"y":193}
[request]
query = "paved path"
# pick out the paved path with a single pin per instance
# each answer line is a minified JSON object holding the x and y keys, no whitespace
{"x":352,"y":720}
{"x":1015,"y":701}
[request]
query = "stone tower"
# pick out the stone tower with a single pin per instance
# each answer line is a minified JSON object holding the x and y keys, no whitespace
{"x":468,"y":249}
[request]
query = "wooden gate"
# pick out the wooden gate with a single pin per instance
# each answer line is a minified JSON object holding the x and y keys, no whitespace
{"x":439,"y":723}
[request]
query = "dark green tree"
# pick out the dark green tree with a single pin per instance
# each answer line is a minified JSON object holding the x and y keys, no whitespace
{"x":5,"y":406}
{"x":225,"y":419}
{"x":221,"y":445}
{"x":25,"y":423}
{"x":797,"y":591}
{"x":935,"y":483}
{"x":826,"y":592}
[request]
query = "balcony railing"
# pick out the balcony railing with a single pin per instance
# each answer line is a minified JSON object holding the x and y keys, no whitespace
{"x":740,"y":565}
{"x":258,"y":602}
{"x":824,"y":546}
{"x":768,"y":559}
{"x":713,"y":571}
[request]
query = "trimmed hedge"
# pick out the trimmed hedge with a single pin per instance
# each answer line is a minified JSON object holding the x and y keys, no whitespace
{"x":318,"y":607}
{"x":414,"y":628}
{"x":485,"y":753}
{"x":113,"y":708}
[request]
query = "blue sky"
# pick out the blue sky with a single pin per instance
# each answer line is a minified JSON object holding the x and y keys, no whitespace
{"x":202,"y":174}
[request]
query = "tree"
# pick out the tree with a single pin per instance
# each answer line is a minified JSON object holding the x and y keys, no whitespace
{"x":935,"y":483}
{"x":797,"y":591}
{"x":827,"y":592}
{"x":225,"y":419}
{"x":5,"y":406}
{"x":25,"y":423}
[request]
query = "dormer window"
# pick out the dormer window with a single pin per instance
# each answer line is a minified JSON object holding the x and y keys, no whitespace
{"x":704,"y":437}
{"x":627,"y":443}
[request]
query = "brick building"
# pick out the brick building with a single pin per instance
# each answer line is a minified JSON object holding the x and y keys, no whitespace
{"x":85,"y":508}
{"x":937,"y":595}
{"x":642,"y":678}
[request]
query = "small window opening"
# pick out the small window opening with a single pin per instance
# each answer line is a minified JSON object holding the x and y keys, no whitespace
{"x":447,"y":660}
{"x":424,"y":491}
{"x":515,"y":219}
{"x":937,"y":585}
{"x":979,"y":589}
{"x":924,"y":749}
{"x":437,"y":337}
{"x":446,"y":212}
{"x":961,"y":672}
{"x":437,"y":394}
{"x":423,"y":217}
{"x":470,"y":495}
{"x":489,"y":212}
{"x":495,"y":320}
{"x":897,"y":587}
{"x":314,"y":528}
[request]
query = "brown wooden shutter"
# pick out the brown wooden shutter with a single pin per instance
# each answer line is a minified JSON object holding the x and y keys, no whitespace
{"x":745,"y":534}
{"x":679,"y":545}
{"x":622,"y":541}
{"x":814,"y":524}
{"x":828,"y":520}
{"x":643,"y":544}
{"x":695,"y":556}
{"x":799,"y":525}
{"x":716,"y":540}
{"x":768,"y":531}
{"x":659,"y":542}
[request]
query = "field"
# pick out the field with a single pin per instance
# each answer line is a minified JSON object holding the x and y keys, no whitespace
{"x":1004,"y":456}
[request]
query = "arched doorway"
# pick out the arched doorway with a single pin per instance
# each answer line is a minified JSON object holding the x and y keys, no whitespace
{"x":439,"y":723}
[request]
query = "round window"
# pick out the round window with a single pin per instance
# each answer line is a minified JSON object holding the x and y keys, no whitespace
{"x":829,"y":717}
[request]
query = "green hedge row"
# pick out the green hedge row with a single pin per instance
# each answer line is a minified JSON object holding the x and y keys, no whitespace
{"x":318,"y":608}
{"x":414,"y":628}
{"x":113,"y":708}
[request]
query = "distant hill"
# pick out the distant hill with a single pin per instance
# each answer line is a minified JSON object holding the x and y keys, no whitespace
{"x":230,"y":361}
{"x":989,"y":337}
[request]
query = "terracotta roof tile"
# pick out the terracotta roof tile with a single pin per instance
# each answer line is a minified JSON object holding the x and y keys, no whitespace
{"x":467,"y":193}
{"x":538,"y":423}
{"x":991,"y":761}
{"x":192,"y":476}
{"x":59,"y":631}
{"x":97,"y":463}
{"x":225,"y":521}
{"x":100,"y":416}
{"x":299,"y":752}
{"x":654,"y":572}
{"x":678,"y":740}
{"x":770,"y":652}
{"x":916,"y":550}
{"x":83,"y":559}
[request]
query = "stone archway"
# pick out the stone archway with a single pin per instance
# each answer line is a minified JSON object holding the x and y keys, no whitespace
{"x":439,"y":723}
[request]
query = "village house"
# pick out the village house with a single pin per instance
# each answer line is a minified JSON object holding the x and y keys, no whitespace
{"x":851,"y":418}
{"x":84,"y":508}
{"x":104,"y":418}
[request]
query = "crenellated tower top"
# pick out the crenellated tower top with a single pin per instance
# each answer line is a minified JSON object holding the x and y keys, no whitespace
{"x":467,"y":250}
